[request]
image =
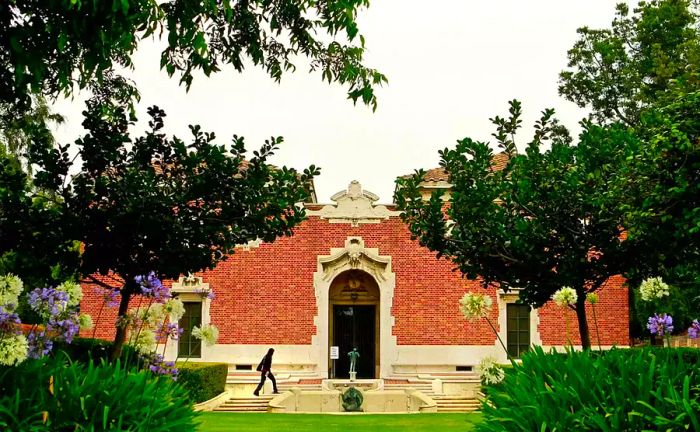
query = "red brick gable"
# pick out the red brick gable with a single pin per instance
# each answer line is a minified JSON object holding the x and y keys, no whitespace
{"x":265,"y":295}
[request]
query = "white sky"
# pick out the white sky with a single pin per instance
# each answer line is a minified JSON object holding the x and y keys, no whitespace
{"x":451,"y":65}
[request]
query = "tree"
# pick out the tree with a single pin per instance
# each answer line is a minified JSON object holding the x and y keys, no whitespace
{"x":659,"y":186}
{"x":620,"y":71}
{"x":16,"y":127}
{"x":49,"y":46}
{"x":547,"y":220}
{"x":160,"y":204}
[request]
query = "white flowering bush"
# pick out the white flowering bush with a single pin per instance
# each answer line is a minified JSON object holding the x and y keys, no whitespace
{"x":592,"y":298}
{"x":475,"y":306}
{"x":490,"y":371}
{"x":565,"y":296}
{"x":74,"y":292}
{"x":208,"y":334}
{"x":145,"y":341}
{"x":174,"y":309}
{"x":85,"y":321}
{"x":653,"y":289}
{"x":14,"y":349}
{"x":150,"y":316}
{"x":10,"y":289}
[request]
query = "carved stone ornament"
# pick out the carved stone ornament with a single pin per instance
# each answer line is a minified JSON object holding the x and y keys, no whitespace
{"x":356,"y":256}
{"x":354,"y":206}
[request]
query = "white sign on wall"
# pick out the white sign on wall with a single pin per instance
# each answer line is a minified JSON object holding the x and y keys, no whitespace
{"x":335,"y":353}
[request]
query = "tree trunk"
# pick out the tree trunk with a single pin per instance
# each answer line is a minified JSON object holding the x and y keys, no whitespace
{"x":582,"y":322}
{"x":120,"y":337}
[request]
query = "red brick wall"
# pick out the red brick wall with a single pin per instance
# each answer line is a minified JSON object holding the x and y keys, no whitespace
{"x":103,"y":317}
{"x":612,"y":312}
{"x":266,"y":295}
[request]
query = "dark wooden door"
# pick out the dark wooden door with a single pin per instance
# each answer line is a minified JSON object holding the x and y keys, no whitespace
{"x":354,"y":327}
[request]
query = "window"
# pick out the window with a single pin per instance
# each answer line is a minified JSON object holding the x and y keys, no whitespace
{"x":189,"y":346}
{"x":518,"y":327}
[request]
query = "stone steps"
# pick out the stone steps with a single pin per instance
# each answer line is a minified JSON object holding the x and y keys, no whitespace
{"x":444,"y":403}
{"x":456,"y":404}
{"x":245,"y":404}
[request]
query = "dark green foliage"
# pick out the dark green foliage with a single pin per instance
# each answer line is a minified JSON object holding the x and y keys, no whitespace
{"x":548,"y":220}
{"x":620,"y":71}
{"x":154,"y":203}
{"x":619,"y":390}
{"x":90,"y":398}
{"x":662,"y":199}
{"x":203,"y":381}
{"x":50,"y":46}
{"x":83,"y":350}
{"x":34,"y":243}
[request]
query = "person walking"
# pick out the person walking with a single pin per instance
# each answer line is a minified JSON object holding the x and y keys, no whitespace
{"x":264,"y":369}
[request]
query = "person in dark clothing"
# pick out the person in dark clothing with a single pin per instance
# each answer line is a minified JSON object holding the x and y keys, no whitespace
{"x":264,"y":369}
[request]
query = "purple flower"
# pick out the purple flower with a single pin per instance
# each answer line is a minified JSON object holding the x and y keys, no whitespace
{"x":694,"y":330}
{"x":66,"y":329}
{"x":169,"y":330}
{"x":47,"y":302}
{"x":39,"y":344}
{"x":9,"y":322}
{"x":159,"y":367}
{"x":151,"y":286}
{"x":205,"y":293}
{"x":660,"y":324}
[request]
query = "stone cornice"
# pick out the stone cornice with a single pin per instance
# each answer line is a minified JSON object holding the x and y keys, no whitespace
{"x":354,"y":206}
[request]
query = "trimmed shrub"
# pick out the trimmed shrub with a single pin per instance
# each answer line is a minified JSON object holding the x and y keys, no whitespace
{"x":85,"y":349}
{"x":89,"y":397}
{"x":621,"y":389}
{"x":203,"y":381}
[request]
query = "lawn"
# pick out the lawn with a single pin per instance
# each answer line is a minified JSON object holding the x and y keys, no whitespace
{"x":254,"y":422}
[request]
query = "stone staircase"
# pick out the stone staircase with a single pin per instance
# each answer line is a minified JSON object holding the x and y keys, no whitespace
{"x":246,"y":404}
{"x":260,"y":403}
{"x":445,"y":403}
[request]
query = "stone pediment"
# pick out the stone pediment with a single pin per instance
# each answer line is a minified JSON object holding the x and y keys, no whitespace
{"x":354,"y":206}
{"x":354,"y":256}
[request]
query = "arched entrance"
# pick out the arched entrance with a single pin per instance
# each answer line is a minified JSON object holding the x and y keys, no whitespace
{"x":354,"y":322}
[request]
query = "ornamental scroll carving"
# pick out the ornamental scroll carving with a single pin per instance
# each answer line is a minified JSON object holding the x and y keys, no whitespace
{"x":354,"y":206}
{"x":355,"y":256}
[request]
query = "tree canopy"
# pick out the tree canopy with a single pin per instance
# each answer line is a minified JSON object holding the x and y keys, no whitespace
{"x":619,"y":71}
{"x":153,"y":203}
{"x":48,"y":47}
{"x":547,"y":220}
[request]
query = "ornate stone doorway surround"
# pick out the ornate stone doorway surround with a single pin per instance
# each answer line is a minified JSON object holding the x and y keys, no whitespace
{"x":354,"y":256}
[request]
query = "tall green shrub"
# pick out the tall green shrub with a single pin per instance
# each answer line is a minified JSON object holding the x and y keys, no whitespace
{"x":636,"y":389}
{"x":203,"y":381}
{"x":90,"y":398}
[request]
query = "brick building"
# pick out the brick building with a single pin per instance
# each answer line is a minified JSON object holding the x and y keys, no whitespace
{"x":351,"y":276}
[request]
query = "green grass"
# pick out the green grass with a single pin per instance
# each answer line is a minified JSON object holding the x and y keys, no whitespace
{"x":259,"y":422}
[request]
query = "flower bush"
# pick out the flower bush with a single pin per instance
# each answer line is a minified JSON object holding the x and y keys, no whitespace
{"x":13,"y":349}
{"x":653,"y":288}
{"x":475,"y":306}
{"x":565,"y":296}
{"x":208,"y":334}
{"x":10,"y":289}
{"x":660,"y":325}
{"x":490,"y":372}
{"x":694,"y":330}
{"x":57,"y":307}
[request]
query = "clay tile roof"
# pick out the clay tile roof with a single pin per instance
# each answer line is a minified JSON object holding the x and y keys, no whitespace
{"x":439,"y":174}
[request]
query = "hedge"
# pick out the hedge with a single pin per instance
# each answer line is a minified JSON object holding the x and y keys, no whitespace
{"x":202,"y":380}
{"x":85,"y":349}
